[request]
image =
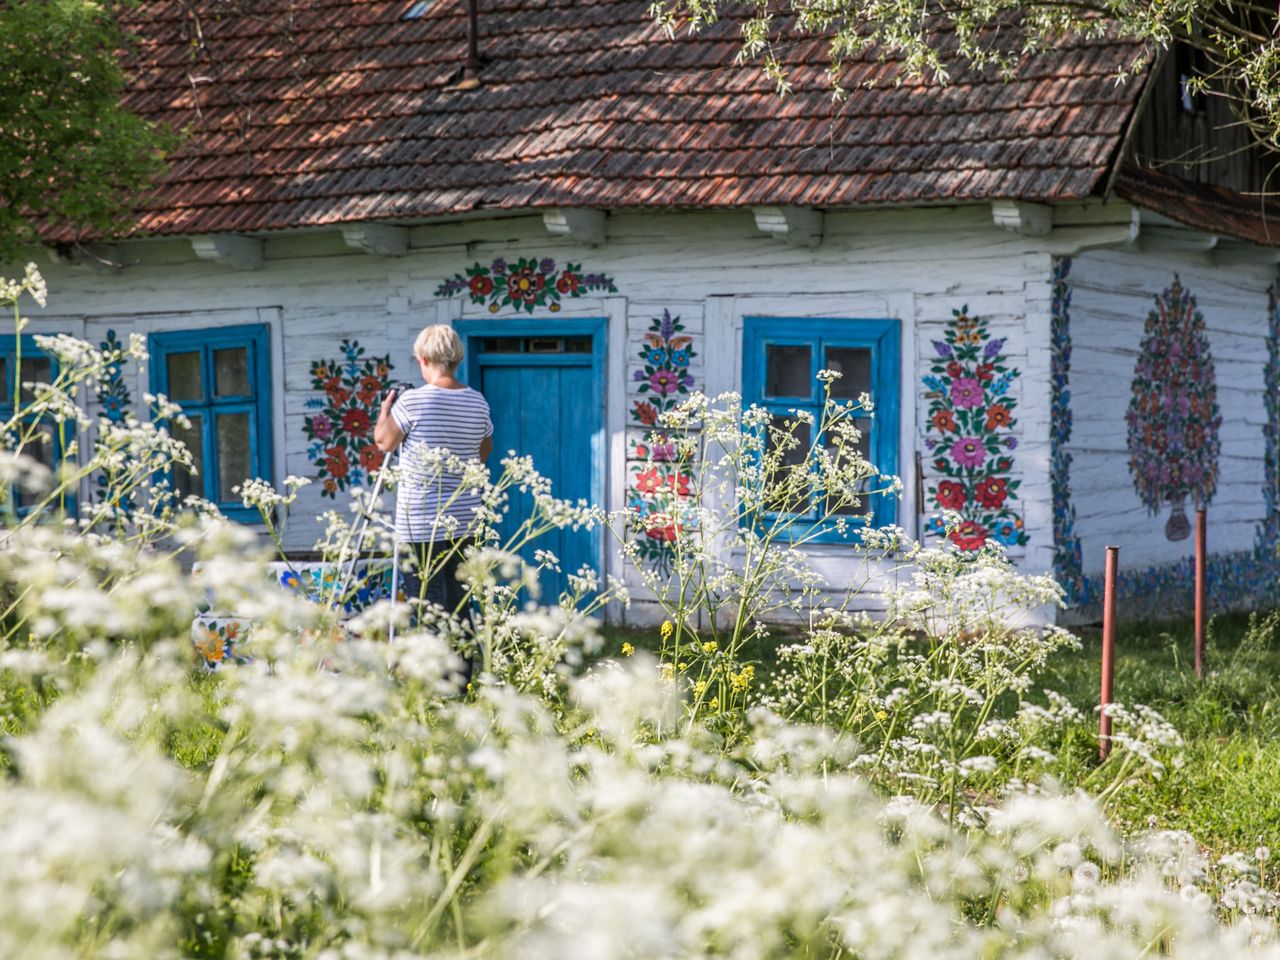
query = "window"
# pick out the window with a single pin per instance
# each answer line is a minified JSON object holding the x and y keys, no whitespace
{"x":221,"y":378}
{"x":782,"y":357}
{"x":36,"y":367}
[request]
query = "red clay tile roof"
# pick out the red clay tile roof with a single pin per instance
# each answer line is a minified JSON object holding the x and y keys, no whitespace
{"x":326,"y":111}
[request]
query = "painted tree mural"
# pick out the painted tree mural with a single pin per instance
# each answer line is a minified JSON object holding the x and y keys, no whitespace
{"x":1173,"y":416}
{"x":970,"y":434}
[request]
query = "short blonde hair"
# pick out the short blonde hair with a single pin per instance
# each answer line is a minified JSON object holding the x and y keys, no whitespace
{"x":439,"y":345}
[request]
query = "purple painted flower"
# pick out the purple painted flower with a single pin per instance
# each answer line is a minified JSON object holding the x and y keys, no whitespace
{"x":321,"y":427}
{"x":966,"y":392}
{"x":1011,"y":442}
{"x":993,"y":347}
{"x":664,"y":381}
{"x":498,"y":266}
{"x":638,"y":375}
{"x":968,"y":451}
{"x":943,"y":348}
{"x":547,"y":265}
{"x":667,"y":328}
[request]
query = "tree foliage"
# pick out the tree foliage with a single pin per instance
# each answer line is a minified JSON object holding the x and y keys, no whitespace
{"x":70,"y":153}
{"x":932,"y":38}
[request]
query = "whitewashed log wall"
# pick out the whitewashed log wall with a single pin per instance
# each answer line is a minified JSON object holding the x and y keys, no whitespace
{"x":1111,"y":295}
{"x":714,"y":269}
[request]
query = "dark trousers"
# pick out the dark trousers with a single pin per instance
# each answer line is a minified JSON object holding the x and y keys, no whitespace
{"x":441,"y":575}
{"x":433,"y":577}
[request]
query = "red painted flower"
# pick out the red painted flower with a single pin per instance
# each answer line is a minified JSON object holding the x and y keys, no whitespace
{"x":992,"y":492}
{"x":526,"y":286}
{"x":944,"y":421}
{"x":985,"y":372}
{"x":650,"y":481}
{"x":998,"y":416}
{"x":338,"y":396}
{"x":969,"y":536}
{"x":954,"y":369}
{"x":370,"y":387}
{"x":481,"y":286}
{"x":356,"y":423}
{"x":569,"y":284}
{"x":661,"y":528}
{"x":371,"y":457}
{"x":950,"y":495}
{"x":646,"y":413}
{"x":336,"y":462}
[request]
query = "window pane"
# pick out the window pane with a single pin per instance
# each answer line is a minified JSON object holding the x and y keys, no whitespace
{"x":34,"y":370}
{"x":787,"y":370}
{"x":187,"y":482}
{"x":186,"y":379}
{"x":793,"y":436}
{"x":231,"y":372}
{"x":855,"y":365}
{"x":233,"y":453}
{"x":864,"y":448}
{"x":502,"y":344}
{"x":41,"y":448}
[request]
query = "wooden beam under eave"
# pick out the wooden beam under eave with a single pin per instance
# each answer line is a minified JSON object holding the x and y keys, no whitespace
{"x":1162,"y":239}
{"x":230,"y":250}
{"x":584,"y":225}
{"x":377,"y":239}
{"x":797,"y":226}
{"x":1026,"y":219}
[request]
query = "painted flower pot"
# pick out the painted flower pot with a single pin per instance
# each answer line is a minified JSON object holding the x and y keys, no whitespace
{"x":1178,"y":527}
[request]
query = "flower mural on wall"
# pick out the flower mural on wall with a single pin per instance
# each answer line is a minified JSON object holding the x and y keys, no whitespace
{"x":658,"y":492}
{"x":1173,"y":416}
{"x":341,"y":432}
{"x":969,"y":432}
{"x":1269,"y":528}
{"x":525,"y":285}
{"x":1068,"y":560}
{"x":663,"y":378}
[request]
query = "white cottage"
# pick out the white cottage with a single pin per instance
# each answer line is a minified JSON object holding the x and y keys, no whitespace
{"x":1072,"y":340}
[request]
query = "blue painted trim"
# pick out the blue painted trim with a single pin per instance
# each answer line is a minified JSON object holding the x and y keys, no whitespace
{"x":472,"y":331}
{"x":30,"y":350}
{"x":256,"y":339}
{"x":883,"y":337}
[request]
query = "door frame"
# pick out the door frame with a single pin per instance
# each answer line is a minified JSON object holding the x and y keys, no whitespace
{"x":471,"y":331}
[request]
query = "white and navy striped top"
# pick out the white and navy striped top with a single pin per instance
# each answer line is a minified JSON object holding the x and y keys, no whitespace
{"x":434,"y":417}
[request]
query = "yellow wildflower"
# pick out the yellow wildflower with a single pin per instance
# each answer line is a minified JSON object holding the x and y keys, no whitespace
{"x":709,"y":647}
{"x":881,"y":715}
{"x":668,"y":628}
{"x":628,"y":649}
{"x":682,"y":666}
{"x":715,"y":703}
{"x":700,"y":687}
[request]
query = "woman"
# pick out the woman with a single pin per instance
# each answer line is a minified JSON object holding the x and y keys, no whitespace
{"x":434,"y":516}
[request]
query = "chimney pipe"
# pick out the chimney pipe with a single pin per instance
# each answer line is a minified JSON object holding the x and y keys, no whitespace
{"x":471,"y":68}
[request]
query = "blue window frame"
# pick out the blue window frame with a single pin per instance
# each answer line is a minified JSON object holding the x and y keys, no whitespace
{"x":781,"y":360}
{"x":36,"y":367}
{"x":221,"y":378}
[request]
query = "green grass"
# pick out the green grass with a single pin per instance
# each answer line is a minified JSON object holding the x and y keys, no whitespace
{"x":1227,"y":793}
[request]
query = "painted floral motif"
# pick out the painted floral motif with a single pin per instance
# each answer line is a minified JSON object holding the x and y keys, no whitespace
{"x":664,"y":376}
{"x":657,"y":491}
{"x":341,"y":433}
{"x":217,"y":641}
{"x":525,"y":285}
{"x":367,"y":584}
{"x":970,"y":435}
{"x":1173,"y":416}
{"x":113,"y":394}
{"x":1068,"y":562}
{"x":1269,"y":529}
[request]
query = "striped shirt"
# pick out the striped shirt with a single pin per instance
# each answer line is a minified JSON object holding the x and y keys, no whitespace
{"x":433,"y":418}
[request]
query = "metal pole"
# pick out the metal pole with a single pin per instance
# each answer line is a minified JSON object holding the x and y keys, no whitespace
{"x":1108,"y":649}
{"x":1202,"y":590}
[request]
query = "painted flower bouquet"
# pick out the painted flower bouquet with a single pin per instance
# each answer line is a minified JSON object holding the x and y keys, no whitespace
{"x":970,"y":432}
{"x":341,"y":432}
{"x":526,"y":284}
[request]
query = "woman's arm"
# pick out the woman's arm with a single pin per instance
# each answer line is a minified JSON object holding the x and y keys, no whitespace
{"x":386,"y":433}
{"x":486,"y":447}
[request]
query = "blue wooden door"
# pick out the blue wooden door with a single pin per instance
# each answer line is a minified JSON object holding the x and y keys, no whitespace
{"x":544,"y":384}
